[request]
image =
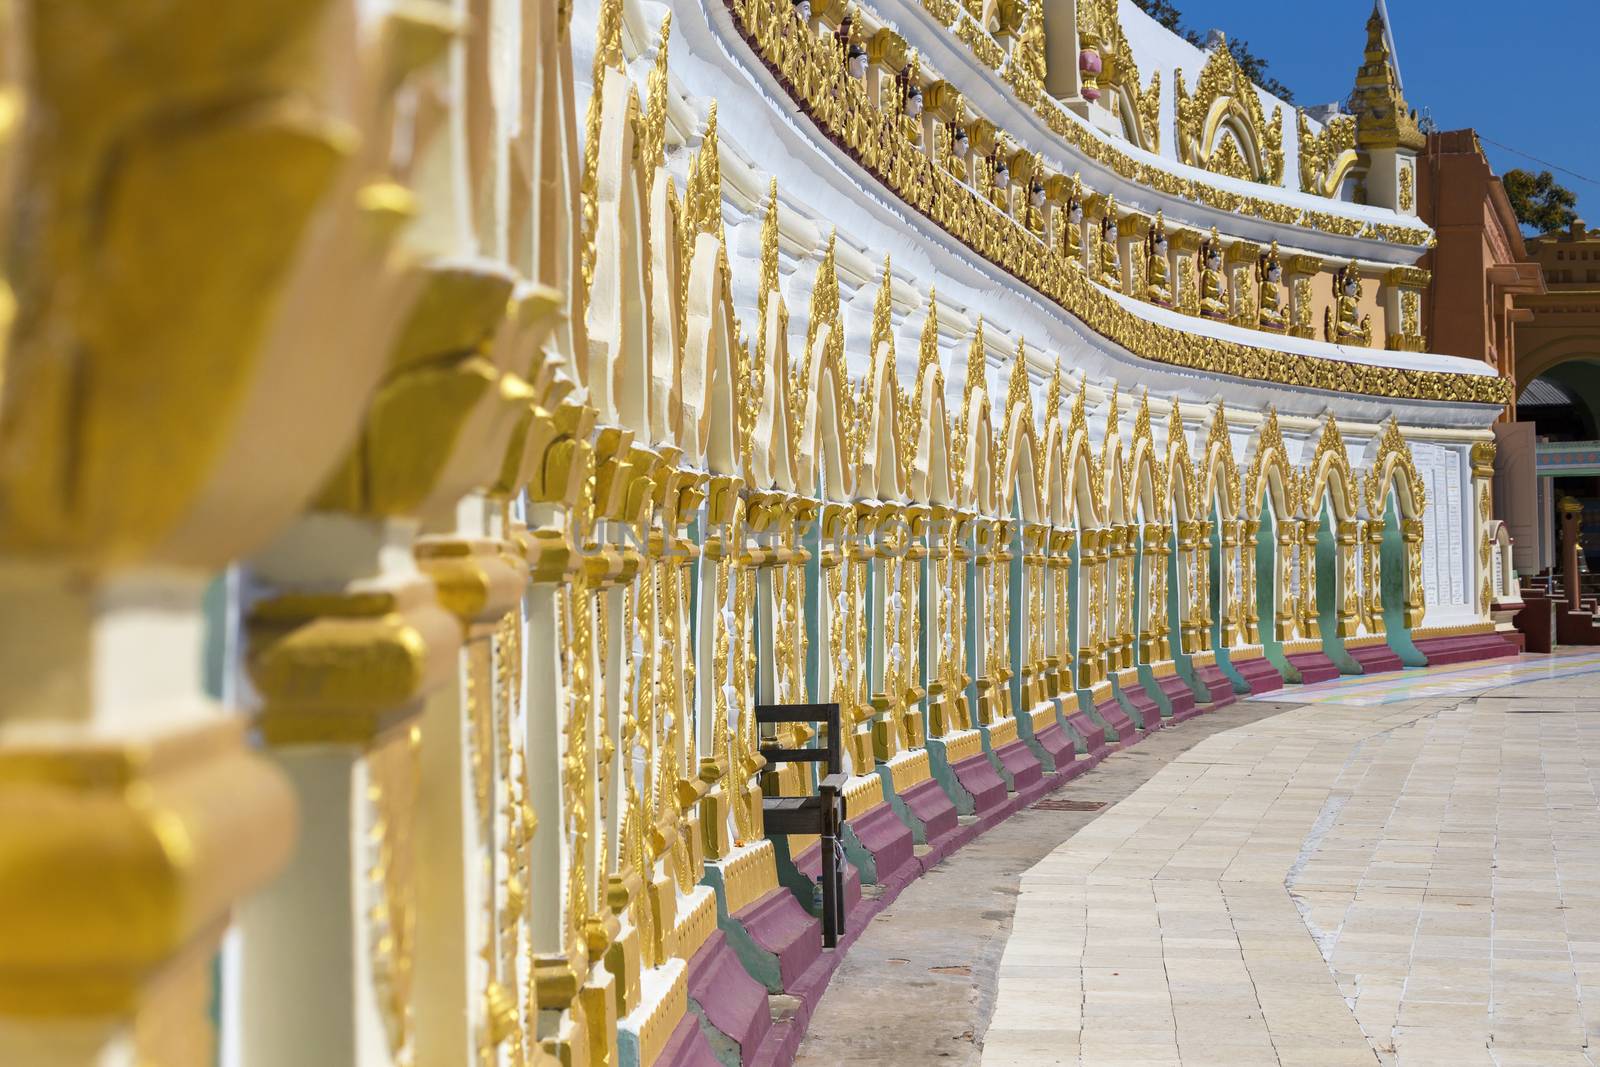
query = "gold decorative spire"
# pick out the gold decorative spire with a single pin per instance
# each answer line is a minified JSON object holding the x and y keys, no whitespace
{"x":703,"y":196}
{"x":928,"y":346}
{"x":1383,"y":119}
{"x":769,"y":253}
{"x":882,"y":322}
{"x":653,"y":126}
{"x":1077,"y":422}
{"x":1052,"y":397}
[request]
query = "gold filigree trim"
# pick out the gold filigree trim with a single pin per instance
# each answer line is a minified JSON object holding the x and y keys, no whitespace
{"x":813,"y":71}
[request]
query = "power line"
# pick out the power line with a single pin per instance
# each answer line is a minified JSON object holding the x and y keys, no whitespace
{"x":1541,"y":162}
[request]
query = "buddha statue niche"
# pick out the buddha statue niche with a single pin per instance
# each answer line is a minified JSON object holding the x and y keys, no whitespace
{"x":1072,"y":224}
{"x":1269,"y":271}
{"x":1213,"y":296}
{"x":1110,"y":274}
{"x":1158,"y":289}
{"x":1340,"y":323}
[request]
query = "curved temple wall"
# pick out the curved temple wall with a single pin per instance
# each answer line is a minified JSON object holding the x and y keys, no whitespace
{"x":566,"y":385}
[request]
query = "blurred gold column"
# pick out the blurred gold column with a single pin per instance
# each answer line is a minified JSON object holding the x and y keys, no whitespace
{"x":197,"y":211}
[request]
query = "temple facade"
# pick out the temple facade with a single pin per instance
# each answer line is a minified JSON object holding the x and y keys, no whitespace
{"x":428,"y":431}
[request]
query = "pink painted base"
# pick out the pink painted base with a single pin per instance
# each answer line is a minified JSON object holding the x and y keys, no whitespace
{"x":1020,"y":762}
{"x":1057,"y":745}
{"x":889,"y":840}
{"x":1377,"y":659}
{"x":978,"y":777}
{"x":781,"y":926}
{"x":1443,"y":650}
{"x":928,"y":802}
{"x":687,"y":1047}
{"x":1217,"y":682}
{"x":1181,"y":697}
{"x":1093,"y":734}
{"x":1149,"y":710}
{"x":1260,"y":675}
{"x":809,"y":863}
{"x":731,"y":1000}
{"x":1313,"y":667}
{"x":1111,"y":713}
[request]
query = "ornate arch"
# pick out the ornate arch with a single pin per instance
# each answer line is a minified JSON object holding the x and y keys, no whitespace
{"x":1221,"y":472}
{"x":619,"y":305}
{"x":1329,"y":473}
{"x":769,"y":437}
{"x":879,"y":466}
{"x":818,"y":399}
{"x":975,"y":458}
{"x":1147,"y":471}
{"x":1389,"y":462}
{"x":925,"y":429}
{"x":1222,"y":128}
{"x":1084,"y":490}
{"x":1019,"y":453}
{"x":1183,"y":485}
{"x":1114,"y":504}
{"x":1270,"y":472}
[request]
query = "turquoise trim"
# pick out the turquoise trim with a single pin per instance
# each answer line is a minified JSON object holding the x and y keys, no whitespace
{"x":1392,"y":589}
{"x":1328,"y":597}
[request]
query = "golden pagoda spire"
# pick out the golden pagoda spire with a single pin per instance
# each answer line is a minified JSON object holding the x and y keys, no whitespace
{"x":1383,"y":119}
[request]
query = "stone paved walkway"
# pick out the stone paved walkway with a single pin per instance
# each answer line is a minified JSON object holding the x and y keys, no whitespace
{"x":1409,"y":881}
{"x":1412,"y":883}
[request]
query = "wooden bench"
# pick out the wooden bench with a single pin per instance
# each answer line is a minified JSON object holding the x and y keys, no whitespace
{"x":822,"y":813}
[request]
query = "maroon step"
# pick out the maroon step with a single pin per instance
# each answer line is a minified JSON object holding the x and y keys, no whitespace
{"x":1314,"y":667}
{"x":1093,"y":734}
{"x":809,"y":863}
{"x":1465,"y":649}
{"x":891,"y":843}
{"x":723,"y":991}
{"x":1180,"y":696}
{"x":1110,"y":712}
{"x":778,"y":924}
{"x":1259,"y":674}
{"x":688,"y":1047}
{"x":1020,"y":762}
{"x":1376,"y":659}
{"x":1148,"y":709}
{"x":1057,"y":745}
{"x":978,"y":777}
{"x":1217,"y":682}
{"x":928,"y":802}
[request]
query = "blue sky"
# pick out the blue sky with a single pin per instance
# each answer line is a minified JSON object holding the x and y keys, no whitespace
{"x":1523,"y":74}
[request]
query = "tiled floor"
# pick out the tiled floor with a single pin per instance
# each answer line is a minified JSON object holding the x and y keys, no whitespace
{"x":1401,"y":883}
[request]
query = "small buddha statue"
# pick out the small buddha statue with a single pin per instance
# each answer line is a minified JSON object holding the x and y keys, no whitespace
{"x":1213,"y":295}
{"x":1072,"y":224}
{"x":1110,"y":272}
{"x":1269,"y":271}
{"x":1343,"y":323}
{"x":1158,"y":289}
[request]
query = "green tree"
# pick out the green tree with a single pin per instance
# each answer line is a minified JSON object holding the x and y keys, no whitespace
{"x":1254,"y":67}
{"x":1538,"y":201}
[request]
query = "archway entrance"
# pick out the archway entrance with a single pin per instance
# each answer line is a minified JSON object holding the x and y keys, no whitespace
{"x":1392,"y":579}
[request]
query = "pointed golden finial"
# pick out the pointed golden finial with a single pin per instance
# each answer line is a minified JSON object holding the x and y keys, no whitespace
{"x":1052,"y":396}
{"x":1113,"y":416}
{"x":928,"y":346}
{"x":824,"y":295}
{"x":882,"y":319}
{"x":1017,"y":394}
{"x":769,"y":251}
{"x":653,"y":126}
